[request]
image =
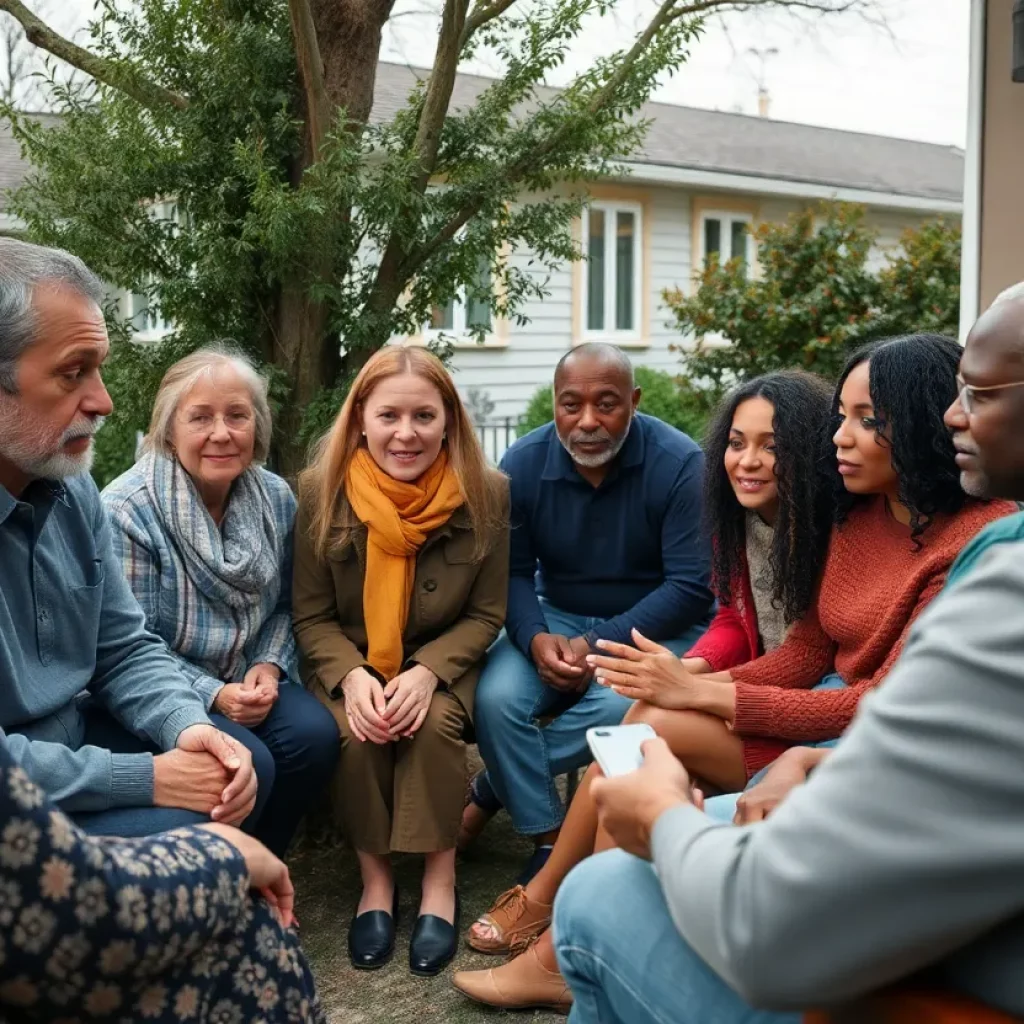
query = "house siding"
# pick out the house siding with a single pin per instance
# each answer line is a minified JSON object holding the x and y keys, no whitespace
{"x":508,"y":376}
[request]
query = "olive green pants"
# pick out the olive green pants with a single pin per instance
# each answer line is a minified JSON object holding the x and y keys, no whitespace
{"x":406,"y":796}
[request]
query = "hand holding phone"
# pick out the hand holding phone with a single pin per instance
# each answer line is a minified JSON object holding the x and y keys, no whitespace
{"x":616,"y":748}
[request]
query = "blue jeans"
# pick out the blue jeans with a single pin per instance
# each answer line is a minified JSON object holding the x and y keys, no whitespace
{"x":524,"y":758}
{"x":624,"y":959}
{"x":294,"y":750}
{"x":723,"y":808}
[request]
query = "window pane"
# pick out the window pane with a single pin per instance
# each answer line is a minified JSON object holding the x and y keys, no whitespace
{"x":712,"y":237}
{"x":625,"y":251}
{"x":443,"y":317}
{"x":739,"y":240}
{"x":140,"y":312}
{"x":478,"y":311}
{"x":595,"y":271}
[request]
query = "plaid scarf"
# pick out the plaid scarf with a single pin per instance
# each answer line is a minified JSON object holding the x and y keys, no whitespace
{"x":232,"y":563}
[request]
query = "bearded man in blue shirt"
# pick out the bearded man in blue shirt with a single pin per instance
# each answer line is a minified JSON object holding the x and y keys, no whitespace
{"x":606,"y":537}
{"x":93,"y":706}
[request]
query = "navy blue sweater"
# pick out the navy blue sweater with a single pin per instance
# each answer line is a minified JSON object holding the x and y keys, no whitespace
{"x":631,"y":552}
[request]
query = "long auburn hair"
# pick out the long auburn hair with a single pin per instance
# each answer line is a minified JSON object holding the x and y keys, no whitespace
{"x":802,"y":404}
{"x":323,"y":482}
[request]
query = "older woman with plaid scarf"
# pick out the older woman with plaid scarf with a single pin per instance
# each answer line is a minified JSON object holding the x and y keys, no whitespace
{"x":205,"y":536}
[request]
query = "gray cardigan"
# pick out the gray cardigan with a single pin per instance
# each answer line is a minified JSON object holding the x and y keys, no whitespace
{"x":904,"y":850}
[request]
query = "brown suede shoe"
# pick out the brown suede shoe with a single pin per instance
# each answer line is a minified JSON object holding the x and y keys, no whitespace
{"x":523,"y":983}
{"x":515,"y":918}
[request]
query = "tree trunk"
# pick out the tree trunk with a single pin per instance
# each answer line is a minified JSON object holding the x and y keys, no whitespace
{"x":311,"y":358}
{"x":349,"y":37}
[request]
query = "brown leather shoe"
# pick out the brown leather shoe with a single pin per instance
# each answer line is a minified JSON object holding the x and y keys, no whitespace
{"x":522,"y":983}
{"x":515,"y":918}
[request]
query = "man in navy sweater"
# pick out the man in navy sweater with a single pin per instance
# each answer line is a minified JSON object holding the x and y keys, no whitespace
{"x":606,"y":538}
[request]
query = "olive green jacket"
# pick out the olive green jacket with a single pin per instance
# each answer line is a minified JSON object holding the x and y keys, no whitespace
{"x":456,"y":611}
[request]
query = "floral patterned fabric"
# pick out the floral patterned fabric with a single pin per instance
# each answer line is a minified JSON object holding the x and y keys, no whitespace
{"x":158,"y":929}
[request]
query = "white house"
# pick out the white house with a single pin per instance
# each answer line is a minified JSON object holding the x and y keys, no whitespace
{"x":700,"y":179}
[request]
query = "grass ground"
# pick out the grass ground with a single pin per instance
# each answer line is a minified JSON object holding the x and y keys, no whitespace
{"x":327,"y":882}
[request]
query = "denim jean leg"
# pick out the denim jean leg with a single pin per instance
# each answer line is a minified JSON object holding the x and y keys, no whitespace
{"x":303,"y":740}
{"x":510,"y":698}
{"x":624,"y":959}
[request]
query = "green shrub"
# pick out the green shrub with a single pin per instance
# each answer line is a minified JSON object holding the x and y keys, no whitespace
{"x":671,"y":399}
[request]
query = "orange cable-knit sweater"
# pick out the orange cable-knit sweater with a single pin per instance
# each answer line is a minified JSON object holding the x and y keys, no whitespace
{"x":873,"y":587}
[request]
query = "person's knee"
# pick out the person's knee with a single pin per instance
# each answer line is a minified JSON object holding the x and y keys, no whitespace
{"x":263,"y":766}
{"x":657,"y":718}
{"x":507,"y":684}
{"x":321,"y":742}
{"x":445,"y":723}
{"x":578,"y":917}
{"x":304,"y":733}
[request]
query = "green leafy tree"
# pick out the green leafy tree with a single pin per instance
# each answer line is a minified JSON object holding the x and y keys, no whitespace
{"x":815,"y":296}
{"x":304,"y":231}
{"x":664,"y":396}
{"x":919,"y":288}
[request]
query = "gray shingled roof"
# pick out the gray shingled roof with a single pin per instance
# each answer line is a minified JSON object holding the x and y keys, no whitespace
{"x":12,"y":168}
{"x":709,"y":140}
{"x":705,"y":140}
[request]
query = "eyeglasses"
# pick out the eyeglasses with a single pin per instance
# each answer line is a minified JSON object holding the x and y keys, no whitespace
{"x":968,"y":391}
{"x":201,"y":422}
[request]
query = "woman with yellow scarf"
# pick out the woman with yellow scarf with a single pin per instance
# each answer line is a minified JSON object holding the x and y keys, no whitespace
{"x":401,"y":581}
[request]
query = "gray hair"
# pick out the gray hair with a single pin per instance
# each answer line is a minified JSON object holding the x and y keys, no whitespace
{"x":22,"y":267}
{"x":183,"y":376}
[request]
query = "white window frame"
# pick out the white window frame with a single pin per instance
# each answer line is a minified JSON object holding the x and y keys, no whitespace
{"x":611,"y":209}
{"x":156,"y":326}
{"x":727,"y":218}
{"x":459,"y":331}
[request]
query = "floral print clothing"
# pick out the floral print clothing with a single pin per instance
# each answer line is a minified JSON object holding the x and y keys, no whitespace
{"x":159,"y":929}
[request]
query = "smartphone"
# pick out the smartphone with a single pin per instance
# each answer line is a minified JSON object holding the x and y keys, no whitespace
{"x":616,"y":748}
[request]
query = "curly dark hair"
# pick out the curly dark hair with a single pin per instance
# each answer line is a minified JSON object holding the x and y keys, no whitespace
{"x":802,"y":403}
{"x":912,"y":380}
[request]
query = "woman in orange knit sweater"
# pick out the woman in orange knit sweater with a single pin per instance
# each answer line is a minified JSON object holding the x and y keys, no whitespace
{"x":901,"y":521}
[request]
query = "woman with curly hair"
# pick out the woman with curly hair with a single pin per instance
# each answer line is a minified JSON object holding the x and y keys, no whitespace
{"x":900,"y":520}
{"x":768,"y":506}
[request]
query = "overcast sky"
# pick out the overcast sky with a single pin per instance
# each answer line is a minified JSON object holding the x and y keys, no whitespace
{"x":909,"y":81}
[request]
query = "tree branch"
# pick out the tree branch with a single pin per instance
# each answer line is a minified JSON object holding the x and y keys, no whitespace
{"x":481,"y":14}
{"x":148,"y":93}
{"x":667,"y":13}
{"x":311,"y":69}
{"x":439,"y":88}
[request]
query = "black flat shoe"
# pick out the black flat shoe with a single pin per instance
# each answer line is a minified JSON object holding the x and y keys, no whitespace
{"x":433,"y":943}
{"x":371,"y":937}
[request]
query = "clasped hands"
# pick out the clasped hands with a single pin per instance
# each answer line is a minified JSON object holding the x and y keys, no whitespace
{"x":561,"y":662}
{"x":249,"y":702}
{"x":386,"y":714}
{"x":208,"y":772}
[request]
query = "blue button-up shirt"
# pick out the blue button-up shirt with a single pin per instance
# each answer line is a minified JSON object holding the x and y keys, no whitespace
{"x":632,"y":551}
{"x":70,"y":625}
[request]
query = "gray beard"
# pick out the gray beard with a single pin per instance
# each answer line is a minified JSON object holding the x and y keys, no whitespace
{"x":975,"y":485}
{"x":20,"y":445}
{"x":601,"y":459}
